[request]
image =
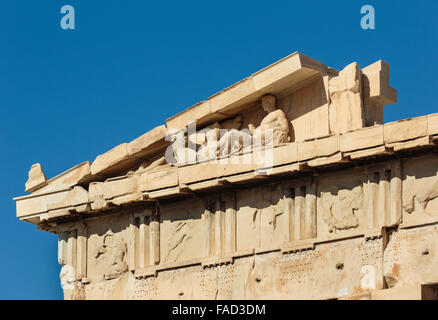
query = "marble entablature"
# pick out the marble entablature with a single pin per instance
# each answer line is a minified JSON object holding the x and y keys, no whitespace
{"x":286,"y":185}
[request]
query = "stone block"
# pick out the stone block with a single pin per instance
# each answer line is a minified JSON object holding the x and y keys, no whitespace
{"x":37,"y":178}
{"x":405,"y":129}
{"x":120,"y":186}
{"x":432,"y":124}
{"x":37,"y":204}
{"x":303,"y":221}
{"x":367,"y":153}
{"x":96,"y":196}
{"x":159,"y":179}
{"x":194,"y":113}
{"x":75,"y":197}
{"x":362,"y":138}
{"x":197,"y":172}
{"x":345,"y":110}
{"x":326,"y":161}
{"x":318,"y":147}
{"x":412,"y":144}
{"x":67,"y":179}
{"x":236,"y":164}
{"x":296,"y":69}
{"x":227,"y":98}
{"x":376,"y":83}
{"x":285,"y":154}
{"x":147,"y":142}
{"x":399,"y":293}
{"x":109,"y":159}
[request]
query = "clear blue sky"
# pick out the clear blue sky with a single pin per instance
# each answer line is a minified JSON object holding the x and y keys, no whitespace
{"x":67,"y":96}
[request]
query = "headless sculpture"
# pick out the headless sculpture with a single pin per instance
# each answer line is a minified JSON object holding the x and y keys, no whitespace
{"x":226,"y":138}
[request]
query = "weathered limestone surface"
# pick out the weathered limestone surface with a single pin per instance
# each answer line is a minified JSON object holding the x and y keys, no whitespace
{"x":37,"y":178}
{"x":334,"y":205}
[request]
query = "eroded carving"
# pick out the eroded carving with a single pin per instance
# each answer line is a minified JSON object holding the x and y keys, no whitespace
{"x":176,"y":244}
{"x":181,"y":154}
{"x":341,"y":207}
{"x":73,"y":290}
{"x":422,"y":196}
{"x":207,"y":138}
{"x":255,"y":237}
{"x":274,"y":128}
{"x":227,"y":137}
{"x":233,"y":139}
{"x":67,"y":276}
{"x":272,"y":208}
{"x":111,"y":255}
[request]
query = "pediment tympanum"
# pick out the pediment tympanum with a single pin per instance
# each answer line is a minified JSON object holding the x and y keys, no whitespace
{"x":246,"y":194}
{"x":293,"y":111}
{"x":298,"y":98}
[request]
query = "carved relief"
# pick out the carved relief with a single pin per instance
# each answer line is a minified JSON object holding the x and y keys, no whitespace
{"x":262,"y":218}
{"x":365,"y":198}
{"x":274,"y":128}
{"x":181,"y":154}
{"x":226,"y":138}
{"x":423,"y":197}
{"x":207,"y":139}
{"x":341,"y":207}
{"x":320,"y":226}
{"x":176,"y":244}
{"x":111,"y":255}
{"x":234,"y":140}
{"x":268,"y":216}
{"x":273,"y":216}
{"x":73,"y":290}
{"x":67,"y":275}
{"x":420,"y":190}
{"x":181,"y":230}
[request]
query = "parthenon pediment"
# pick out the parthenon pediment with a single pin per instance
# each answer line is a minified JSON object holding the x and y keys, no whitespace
{"x":318,"y":101}
{"x":268,"y":147}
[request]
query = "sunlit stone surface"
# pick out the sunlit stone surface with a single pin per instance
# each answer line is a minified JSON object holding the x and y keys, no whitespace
{"x":329,"y":203}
